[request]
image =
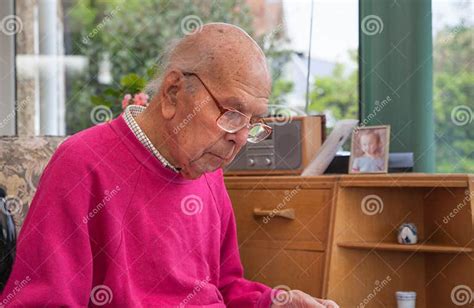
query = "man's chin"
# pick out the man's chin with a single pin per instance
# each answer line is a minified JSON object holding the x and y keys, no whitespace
{"x":198,"y":171}
{"x":191,"y":173}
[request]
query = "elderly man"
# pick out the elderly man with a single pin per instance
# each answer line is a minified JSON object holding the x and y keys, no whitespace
{"x":134,"y":212}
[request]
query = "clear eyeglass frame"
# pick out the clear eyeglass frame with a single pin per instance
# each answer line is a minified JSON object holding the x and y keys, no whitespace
{"x":232,"y":120}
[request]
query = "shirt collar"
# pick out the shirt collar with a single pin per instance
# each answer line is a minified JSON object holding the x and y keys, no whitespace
{"x":129,"y":115}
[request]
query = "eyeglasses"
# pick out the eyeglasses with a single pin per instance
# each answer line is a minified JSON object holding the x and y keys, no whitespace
{"x":232,"y":120}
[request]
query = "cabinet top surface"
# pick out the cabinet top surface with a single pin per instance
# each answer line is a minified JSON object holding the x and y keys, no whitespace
{"x":360,"y":180}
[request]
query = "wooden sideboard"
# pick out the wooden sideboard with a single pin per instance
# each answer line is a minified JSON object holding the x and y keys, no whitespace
{"x":335,"y":236}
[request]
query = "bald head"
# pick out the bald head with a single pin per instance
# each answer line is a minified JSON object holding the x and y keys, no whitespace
{"x":222,"y":53}
{"x":217,"y":68}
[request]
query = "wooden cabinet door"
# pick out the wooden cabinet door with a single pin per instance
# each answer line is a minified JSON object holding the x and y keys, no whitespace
{"x":279,"y":250}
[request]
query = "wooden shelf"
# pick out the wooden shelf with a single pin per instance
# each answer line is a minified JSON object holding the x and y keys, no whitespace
{"x":405,"y":180}
{"x":398,"y":247}
{"x":287,"y":245}
{"x":332,"y":256}
{"x":279,"y":182}
{"x":351,"y":180}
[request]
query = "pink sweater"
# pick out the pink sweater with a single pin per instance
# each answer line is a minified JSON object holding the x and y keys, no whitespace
{"x":110,"y":226}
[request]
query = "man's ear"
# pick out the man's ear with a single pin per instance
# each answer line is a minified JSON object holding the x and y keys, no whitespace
{"x":173,"y":83}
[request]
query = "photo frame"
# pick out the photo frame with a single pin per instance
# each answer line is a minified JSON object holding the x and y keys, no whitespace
{"x":370,"y":149}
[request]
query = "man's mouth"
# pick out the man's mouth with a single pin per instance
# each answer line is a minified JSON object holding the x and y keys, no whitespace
{"x":222,"y":157}
{"x":225,"y":156}
{"x":229,"y":154}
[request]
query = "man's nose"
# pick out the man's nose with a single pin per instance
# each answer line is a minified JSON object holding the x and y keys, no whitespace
{"x":239,"y":137}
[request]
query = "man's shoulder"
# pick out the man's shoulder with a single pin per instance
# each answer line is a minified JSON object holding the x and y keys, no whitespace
{"x":97,"y":136}
{"x":86,"y":146}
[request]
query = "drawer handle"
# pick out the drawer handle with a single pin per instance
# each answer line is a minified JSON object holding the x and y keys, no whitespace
{"x":286,"y":213}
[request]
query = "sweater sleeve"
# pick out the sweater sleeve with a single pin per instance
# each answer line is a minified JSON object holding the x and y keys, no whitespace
{"x":236,"y":290}
{"x":53,"y":262}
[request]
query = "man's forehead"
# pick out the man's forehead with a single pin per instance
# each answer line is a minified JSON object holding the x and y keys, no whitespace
{"x":234,"y":95}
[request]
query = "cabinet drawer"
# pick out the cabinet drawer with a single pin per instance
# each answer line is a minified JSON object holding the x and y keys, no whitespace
{"x":258,"y":223}
{"x":301,"y":270}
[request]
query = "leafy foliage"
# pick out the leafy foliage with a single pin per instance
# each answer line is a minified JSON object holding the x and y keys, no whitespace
{"x":337,"y":93}
{"x":133,"y":34}
{"x":454,"y":88}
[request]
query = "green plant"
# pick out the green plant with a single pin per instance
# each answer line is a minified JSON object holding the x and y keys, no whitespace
{"x":454,"y":88}
{"x":133,"y":35}
{"x":336,"y":93}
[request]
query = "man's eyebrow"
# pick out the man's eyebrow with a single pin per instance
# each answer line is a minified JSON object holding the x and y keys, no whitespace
{"x":236,"y":103}
{"x":241,"y":107}
{"x":257,"y":116}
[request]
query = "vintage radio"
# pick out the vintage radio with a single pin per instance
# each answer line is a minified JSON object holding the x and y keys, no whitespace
{"x":290,"y":147}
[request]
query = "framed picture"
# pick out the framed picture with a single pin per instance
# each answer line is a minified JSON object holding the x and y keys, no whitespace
{"x":369,"y":149}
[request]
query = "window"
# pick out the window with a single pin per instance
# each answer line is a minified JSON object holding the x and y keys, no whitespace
{"x":453,"y":74}
{"x":76,"y":59}
{"x":334,"y":69}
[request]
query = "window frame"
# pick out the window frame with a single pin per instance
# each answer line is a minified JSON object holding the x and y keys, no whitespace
{"x":8,"y":120}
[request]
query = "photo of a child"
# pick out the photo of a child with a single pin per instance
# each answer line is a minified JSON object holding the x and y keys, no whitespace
{"x":369,"y":150}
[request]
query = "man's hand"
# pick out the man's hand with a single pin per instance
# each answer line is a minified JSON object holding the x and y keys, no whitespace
{"x":299,"y":299}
